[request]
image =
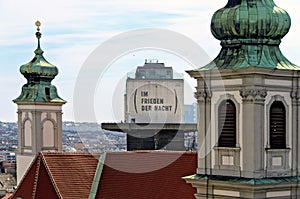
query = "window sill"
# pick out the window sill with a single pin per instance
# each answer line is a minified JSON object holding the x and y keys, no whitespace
{"x":272,"y":149}
{"x":227,"y":148}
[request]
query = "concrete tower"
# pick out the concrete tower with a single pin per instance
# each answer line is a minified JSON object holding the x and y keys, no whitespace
{"x":39,"y":110}
{"x":248,"y":107}
{"x":154,"y":110}
{"x":154,"y":95}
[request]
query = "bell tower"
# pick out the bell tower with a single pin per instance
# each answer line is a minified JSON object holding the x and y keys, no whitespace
{"x":248,"y":106}
{"x":39,"y":110}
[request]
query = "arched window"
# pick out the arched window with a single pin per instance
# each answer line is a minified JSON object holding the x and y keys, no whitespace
{"x":48,"y":134}
{"x":277,"y":126}
{"x":27,"y":133}
{"x":227,"y":124}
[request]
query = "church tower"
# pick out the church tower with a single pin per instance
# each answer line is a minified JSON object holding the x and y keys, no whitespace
{"x":39,"y":110}
{"x":248,"y":106}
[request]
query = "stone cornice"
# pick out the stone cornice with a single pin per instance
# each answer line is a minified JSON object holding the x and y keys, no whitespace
{"x":239,"y":73}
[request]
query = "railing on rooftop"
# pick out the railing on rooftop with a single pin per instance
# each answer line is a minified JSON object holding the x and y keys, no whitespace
{"x":131,"y":75}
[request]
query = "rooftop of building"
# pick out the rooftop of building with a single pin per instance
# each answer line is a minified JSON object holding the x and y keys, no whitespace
{"x":154,"y":70}
{"x":138,"y":174}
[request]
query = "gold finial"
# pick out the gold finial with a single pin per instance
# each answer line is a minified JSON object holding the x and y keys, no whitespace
{"x":38,"y":35}
{"x":38,"y":24}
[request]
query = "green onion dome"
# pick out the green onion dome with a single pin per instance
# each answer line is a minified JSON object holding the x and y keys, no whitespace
{"x":250,"y":32}
{"x":39,"y":74}
{"x":250,"y":21}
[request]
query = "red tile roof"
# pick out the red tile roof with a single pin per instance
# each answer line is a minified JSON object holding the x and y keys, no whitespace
{"x":143,"y":174}
{"x":72,"y":174}
{"x":25,"y":190}
{"x":63,"y":175}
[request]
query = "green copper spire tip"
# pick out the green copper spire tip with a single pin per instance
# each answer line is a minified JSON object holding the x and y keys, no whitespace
{"x":38,"y":35}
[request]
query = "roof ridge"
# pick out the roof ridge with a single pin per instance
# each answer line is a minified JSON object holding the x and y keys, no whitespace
{"x":65,"y":153}
{"x":50,"y":153}
{"x":23,"y":178}
{"x":153,"y":151}
{"x":97,"y":176}
{"x":50,"y":175}
{"x":36,"y":176}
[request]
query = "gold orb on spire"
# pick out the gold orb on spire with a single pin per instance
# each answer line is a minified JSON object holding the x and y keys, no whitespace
{"x":38,"y":24}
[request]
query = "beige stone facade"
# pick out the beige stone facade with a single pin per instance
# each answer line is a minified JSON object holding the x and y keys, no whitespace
{"x":252,"y":90}
{"x":39,"y":129}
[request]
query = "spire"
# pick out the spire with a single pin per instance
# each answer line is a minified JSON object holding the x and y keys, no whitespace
{"x":38,"y":35}
{"x":39,"y":74}
{"x":250,"y":32}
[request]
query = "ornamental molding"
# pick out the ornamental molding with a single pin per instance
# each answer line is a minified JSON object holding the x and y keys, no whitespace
{"x":202,"y":94}
{"x":253,"y":94}
{"x":295,"y":95}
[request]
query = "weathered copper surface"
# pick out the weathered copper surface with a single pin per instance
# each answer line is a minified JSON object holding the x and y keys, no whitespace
{"x":250,"y":32}
{"x":39,"y":74}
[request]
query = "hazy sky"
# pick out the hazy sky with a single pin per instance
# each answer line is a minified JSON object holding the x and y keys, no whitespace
{"x":73,"y":29}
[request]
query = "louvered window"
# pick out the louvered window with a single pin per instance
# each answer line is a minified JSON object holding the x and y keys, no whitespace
{"x":277,"y":126}
{"x":227,"y":124}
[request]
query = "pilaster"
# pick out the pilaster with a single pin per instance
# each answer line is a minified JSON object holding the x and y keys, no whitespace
{"x":59,"y":131}
{"x":253,"y":131}
{"x":36,"y":131}
{"x":295,"y":96}
{"x":203,"y":96}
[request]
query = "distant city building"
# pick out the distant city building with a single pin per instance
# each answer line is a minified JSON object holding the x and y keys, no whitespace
{"x":84,"y":136}
{"x":7,"y":156}
{"x":190,"y":113}
{"x":153,"y":95}
{"x":76,"y":137}
{"x":190,"y":117}
{"x":39,"y":110}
